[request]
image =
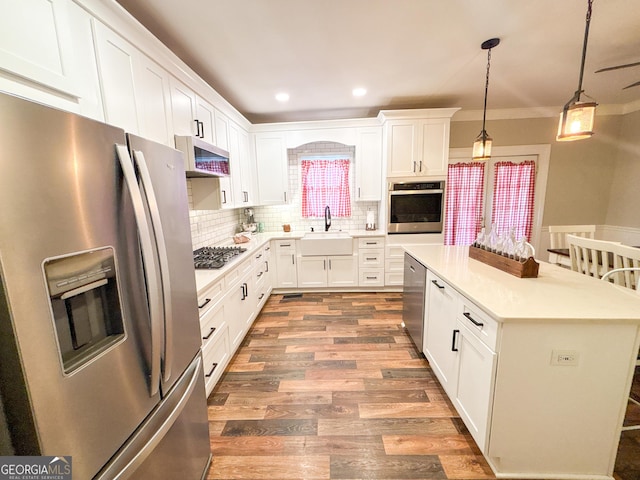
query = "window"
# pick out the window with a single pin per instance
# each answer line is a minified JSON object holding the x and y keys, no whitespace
{"x":463,"y":212}
{"x":507,"y":193}
{"x":325,"y":181}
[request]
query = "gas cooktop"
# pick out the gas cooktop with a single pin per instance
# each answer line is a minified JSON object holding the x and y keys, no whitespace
{"x":215,"y":257}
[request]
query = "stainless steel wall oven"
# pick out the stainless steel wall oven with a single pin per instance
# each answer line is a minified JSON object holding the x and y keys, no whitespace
{"x":416,"y":207}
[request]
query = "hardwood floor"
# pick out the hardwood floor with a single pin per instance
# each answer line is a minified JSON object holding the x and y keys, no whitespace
{"x":329,"y":386}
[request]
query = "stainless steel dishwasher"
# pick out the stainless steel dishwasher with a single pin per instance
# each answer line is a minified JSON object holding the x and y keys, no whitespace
{"x":413,"y":298}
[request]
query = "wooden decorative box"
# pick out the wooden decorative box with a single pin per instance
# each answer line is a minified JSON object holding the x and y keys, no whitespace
{"x":527,"y":269}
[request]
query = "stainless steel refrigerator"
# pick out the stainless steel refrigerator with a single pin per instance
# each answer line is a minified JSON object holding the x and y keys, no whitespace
{"x":99,"y":337}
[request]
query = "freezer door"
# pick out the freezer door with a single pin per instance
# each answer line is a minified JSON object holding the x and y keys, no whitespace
{"x":162,"y":180}
{"x":62,"y":193}
{"x":173,"y":443}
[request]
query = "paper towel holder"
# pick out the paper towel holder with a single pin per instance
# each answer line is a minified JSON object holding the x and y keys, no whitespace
{"x":371,"y":222}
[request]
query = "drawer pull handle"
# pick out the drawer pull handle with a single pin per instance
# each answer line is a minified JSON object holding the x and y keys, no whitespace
{"x":260,"y":274}
{"x":412,"y":269}
{"x":435,"y":282}
{"x":261,"y":297}
{"x":213,"y":329}
{"x":205,"y":302}
{"x":213,"y":369}
{"x":285,"y":244}
{"x":371,"y":243}
{"x":372,"y":278}
{"x":475,"y":322}
{"x":371,"y":258}
{"x":453,"y":340}
{"x":258,"y":256}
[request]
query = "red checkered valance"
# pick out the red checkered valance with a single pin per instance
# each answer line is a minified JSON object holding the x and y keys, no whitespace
{"x":325,"y":182}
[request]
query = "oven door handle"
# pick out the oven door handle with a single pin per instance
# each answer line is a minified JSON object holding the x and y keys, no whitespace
{"x":411,"y":192}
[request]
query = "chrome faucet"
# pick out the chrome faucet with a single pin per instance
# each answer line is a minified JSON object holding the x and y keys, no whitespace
{"x":327,"y":218}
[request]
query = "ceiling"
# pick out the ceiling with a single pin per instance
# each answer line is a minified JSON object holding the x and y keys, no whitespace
{"x":406,"y":53}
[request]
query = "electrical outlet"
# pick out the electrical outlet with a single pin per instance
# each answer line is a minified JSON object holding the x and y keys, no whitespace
{"x":567,"y":358}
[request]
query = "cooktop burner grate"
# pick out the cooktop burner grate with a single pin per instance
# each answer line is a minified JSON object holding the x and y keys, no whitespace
{"x":215,"y":257}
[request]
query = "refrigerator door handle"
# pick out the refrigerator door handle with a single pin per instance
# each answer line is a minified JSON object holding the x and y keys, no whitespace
{"x":151,"y":270}
{"x":150,"y":434}
{"x":164,"y":261}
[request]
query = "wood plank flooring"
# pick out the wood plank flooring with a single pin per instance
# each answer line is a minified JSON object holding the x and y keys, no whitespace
{"x":329,"y":386}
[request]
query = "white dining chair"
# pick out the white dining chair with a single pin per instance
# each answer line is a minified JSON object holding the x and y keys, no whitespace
{"x":627,"y":277}
{"x":591,"y":257}
{"x":558,"y":240}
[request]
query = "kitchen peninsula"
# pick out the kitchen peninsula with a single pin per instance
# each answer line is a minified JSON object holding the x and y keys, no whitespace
{"x":539,"y":369}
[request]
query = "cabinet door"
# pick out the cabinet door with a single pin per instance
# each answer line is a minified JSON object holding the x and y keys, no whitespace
{"x":475,"y":369}
{"x":37,"y":44}
{"x":152,"y":92}
{"x":117,"y":61}
{"x":435,"y":147}
{"x":205,"y":115}
{"x":221,"y":126}
{"x":240,"y":308}
{"x":439,"y":330}
{"x":343,"y":271}
{"x":183,"y":108}
{"x":246,"y":167}
{"x":368,"y":164}
{"x":286,"y":273}
{"x":240,"y":171}
{"x":312,"y":271}
{"x":402,"y":148}
{"x":272,"y":168}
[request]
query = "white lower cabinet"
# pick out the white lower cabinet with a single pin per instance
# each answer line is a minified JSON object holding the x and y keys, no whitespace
{"x":328,"y":271}
{"x":439,"y":331}
{"x":241,"y":307}
{"x":286,"y":273}
{"x":460,"y":343}
{"x":474,"y":371}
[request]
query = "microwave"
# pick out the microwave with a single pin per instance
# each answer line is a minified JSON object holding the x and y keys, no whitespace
{"x":203,"y":159}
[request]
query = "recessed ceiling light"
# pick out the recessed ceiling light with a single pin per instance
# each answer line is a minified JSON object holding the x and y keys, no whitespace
{"x":282,"y":96}
{"x":359,"y":92}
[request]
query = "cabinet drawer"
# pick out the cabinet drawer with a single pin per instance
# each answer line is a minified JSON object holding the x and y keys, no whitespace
{"x":210,"y":297}
{"x":285,"y":246}
{"x":233,"y":277}
{"x":480,"y":324}
{"x":215,"y":358}
{"x":371,"y":242}
{"x":373,"y":258}
{"x":371,"y":277}
{"x":394,"y":265}
{"x":211,"y":322}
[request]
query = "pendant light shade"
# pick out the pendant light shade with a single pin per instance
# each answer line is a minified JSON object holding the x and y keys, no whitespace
{"x":577,"y":118}
{"x":482,"y":145}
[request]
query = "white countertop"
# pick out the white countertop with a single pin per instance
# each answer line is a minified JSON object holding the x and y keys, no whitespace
{"x":557,"y":293}
{"x":205,"y":277}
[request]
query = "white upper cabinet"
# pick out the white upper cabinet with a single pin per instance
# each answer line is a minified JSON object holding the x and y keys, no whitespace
{"x":193,"y":115}
{"x":36,"y":43}
{"x":368,"y":164}
{"x":221,"y":128}
{"x":135,"y":89}
{"x":152,"y":94}
{"x":117,"y":60}
{"x":205,"y":114}
{"x":417,"y":147}
{"x":272,"y":169}
{"x":183,"y":109}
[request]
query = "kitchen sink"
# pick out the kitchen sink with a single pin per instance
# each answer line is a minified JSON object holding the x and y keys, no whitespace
{"x":326,"y":243}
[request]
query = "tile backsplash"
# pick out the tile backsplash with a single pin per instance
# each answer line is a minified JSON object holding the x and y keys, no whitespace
{"x":210,"y":227}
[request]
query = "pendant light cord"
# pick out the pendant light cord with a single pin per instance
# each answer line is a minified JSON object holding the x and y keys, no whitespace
{"x":486,"y":91}
{"x":584,"y":49}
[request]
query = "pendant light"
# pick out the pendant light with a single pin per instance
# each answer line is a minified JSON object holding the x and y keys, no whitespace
{"x":576,"y":119}
{"x":482,"y":145}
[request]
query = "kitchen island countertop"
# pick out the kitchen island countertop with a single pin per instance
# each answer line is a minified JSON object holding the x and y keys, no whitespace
{"x":556,"y":294}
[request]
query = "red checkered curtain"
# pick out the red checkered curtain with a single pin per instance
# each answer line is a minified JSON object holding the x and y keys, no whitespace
{"x":463,"y":210}
{"x":513,"y":198}
{"x":325,"y":182}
